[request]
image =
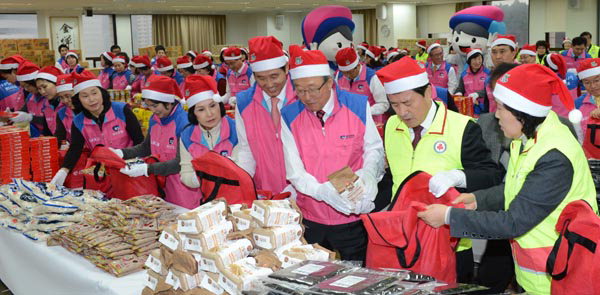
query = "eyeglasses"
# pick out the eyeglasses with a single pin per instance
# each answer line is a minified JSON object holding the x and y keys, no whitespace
{"x":311,"y":92}
{"x":587,"y":83}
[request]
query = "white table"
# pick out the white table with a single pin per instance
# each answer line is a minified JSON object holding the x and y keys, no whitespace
{"x":28,"y":267}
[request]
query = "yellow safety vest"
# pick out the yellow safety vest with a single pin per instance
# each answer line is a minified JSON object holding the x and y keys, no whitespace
{"x":438,"y":150}
{"x":540,"y":60}
{"x":422,"y":57}
{"x":530,"y":251}
{"x":594,"y":50}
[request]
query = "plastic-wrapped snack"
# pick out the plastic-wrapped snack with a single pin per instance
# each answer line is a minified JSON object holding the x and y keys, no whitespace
{"x":36,"y":235}
{"x":70,"y":217}
{"x":310,"y":272}
{"x":54,"y":207}
{"x":357,"y":282}
{"x":9,"y":207}
{"x":242,"y":276}
{"x":452,"y":289}
{"x":209,"y":239}
{"x":40,"y":190}
{"x":142,"y":249}
{"x":48,"y":227}
{"x":26,"y":200}
{"x":156,"y":282}
{"x":275,"y":213}
{"x":155,"y":263}
{"x":275,"y":237}
{"x":224,"y":255}
{"x":296,"y":252}
{"x":126,"y":265}
{"x":184,"y":262}
{"x":188,"y":281}
{"x":170,"y":238}
{"x":243,"y":220}
{"x":202,"y":218}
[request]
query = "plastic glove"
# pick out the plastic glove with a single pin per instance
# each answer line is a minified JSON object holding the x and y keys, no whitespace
{"x":60,"y":176}
{"x":364,"y":206}
{"x":65,"y":146}
{"x":135,"y":170}
{"x":366,"y":203}
{"x":293,"y":194}
{"x":441,"y":182}
{"x":118,"y":152}
{"x":327,"y":193}
{"x":22,"y":117}
{"x":232,"y":100}
{"x":128,"y":87}
{"x":458,"y":94}
{"x":474,"y":96}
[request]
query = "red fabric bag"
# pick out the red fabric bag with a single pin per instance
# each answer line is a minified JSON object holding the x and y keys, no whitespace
{"x":399,"y":239}
{"x":75,"y":177}
{"x":574,"y":262}
{"x":591,"y":142}
{"x":220,"y":177}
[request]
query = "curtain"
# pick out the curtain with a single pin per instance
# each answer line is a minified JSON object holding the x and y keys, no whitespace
{"x":192,"y":32}
{"x":370,"y":21}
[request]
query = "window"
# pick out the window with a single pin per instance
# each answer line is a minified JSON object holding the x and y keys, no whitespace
{"x":18,"y":26}
{"x":516,"y":18}
{"x":97,"y":34}
{"x":141,"y":28}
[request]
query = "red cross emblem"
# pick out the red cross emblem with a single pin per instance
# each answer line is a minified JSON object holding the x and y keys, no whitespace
{"x":439,"y":146}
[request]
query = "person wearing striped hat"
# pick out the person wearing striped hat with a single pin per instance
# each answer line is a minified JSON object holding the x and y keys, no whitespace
{"x":185,"y":66}
{"x":165,"y":66}
{"x":11,"y":93}
{"x":98,"y":122}
{"x":210,"y":129}
{"x":106,"y":74}
{"x":122,"y":74}
{"x":192,"y":54}
{"x":504,"y":49}
{"x":326,"y":130}
{"x":35,"y":103}
{"x":373,"y":57}
{"x":258,"y":116}
{"x":45,"y":81}
{"x":424,"y":135}
{"x":142,"y":71}
{"x":355,"y":77}
{"x":239,"y":74}
{"x":547,"y":170}
{"x":362,"y":49}
{"x":528,"y":54}
{"x":203,"y":65}
{"x":65,"y":115}
{"x":72,"y":59}
{"x":421,"y":51}
{"x":437,"y":68}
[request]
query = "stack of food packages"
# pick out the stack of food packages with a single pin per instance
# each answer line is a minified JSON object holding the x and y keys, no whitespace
{"x":143,"y":117}
{"x":14,"y":154}
{"x":44,"y":158}
{"x":120,"y":95}
{"x":38,"y":209}
{"x":120,"y":235}
{"x":221,"y":249}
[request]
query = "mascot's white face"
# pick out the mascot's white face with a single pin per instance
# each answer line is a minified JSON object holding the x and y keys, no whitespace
{"x":461,"y":41}
{"x":331,"y":45}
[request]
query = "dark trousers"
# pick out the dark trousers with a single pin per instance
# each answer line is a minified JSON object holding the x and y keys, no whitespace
{"x":496,"y":270}
{"x":349,"y":239}
{"x":464,"y":266}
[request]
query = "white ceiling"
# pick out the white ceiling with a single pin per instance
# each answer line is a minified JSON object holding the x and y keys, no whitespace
{"x":188,"y":6}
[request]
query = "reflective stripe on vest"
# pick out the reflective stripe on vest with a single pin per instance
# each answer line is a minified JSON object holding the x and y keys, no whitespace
{"x":531,"y":250}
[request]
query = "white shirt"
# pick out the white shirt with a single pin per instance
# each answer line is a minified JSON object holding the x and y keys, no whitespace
{"x":306,"y":183}
{"x":328,"y":107}
{"x":242,"y":70}
{"x":243,"y":156}
{"x":426,"y":124}
{"x":381,"y":104}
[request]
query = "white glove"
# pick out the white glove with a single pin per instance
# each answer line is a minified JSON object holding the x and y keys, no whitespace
{"x":366,"y":203}
{"x":474,"y":96}
{"x":22,"y":117}
{"x":441,"y":182}
{"x":458,"y":93}
{"x":327,"y":193}
{"x":118,"y":152}
{"x":136,"y":170}
{"x":59,"y":177}
{"x":290,"y":188}
{"x":65,"y":146}
{"x":232,"y":100}
{"x":128,"y":87}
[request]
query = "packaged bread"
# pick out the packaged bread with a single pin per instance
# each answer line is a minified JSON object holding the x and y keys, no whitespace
{"x":210,"y":282}
{"x":216,"y":236}
{"x":295,"y":253}
{"x":184,"y":262}
{"x":270,"y":213}
{"x":155,"y":282}
{"x":275,"y":237}
{"x":125,"y":265}
{"x":170,"y":238}
{"x":187,"y":281}
{"x":224,"y":255}
{"x":268,"y":259}
{"x":243,"y":220}
{"x":347,"y":184}
{"x":242,"y":276}
{"x":202,"y":218}
{"x":155,"y":263}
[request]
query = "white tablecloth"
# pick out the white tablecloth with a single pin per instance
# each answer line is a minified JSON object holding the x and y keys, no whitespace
{"x":31,"y":268}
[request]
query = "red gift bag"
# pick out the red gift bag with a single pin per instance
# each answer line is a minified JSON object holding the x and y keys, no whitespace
{"x":591,"y":142}
{"x":75,"y":177}
{"x":399,"y":239}
{"x":464,"y":104}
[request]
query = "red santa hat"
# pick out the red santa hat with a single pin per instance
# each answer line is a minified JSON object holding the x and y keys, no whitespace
{"x":556,"y":62}
{"x":107,"y":55}
{"x":64,"y":83}
{"x":509,"y":40}
{"x":422,"y":44}
{"x":72,"y":53}
{"x":391,"y":53}
{"x":232,"y":53}
{"x":207,"y":53}
{"x":588,"y":67}
{"x":307,"y":63}
{"x":266,"y":53}
{"x":473,"y":51}
{"x":347,"y":59}
{"x":49,"y":73}
{"x":528,"y":49}
{"x":11,"y":62}
{"x":27,"y":71}
{"x":193,"y":53}
{"x":164,"y":64}
{"x":84,"y":80}
{"x":566,"y":40}
{"x":433,"y":46}
{"x":140,"y":61}
{"x":402,"y":75}
{"x":161,"y":88}
{"x":529,"y":89}
{"x":405,"y":51}
{"x":184,"y":62}
{"x":374,"y":52}
{"x":120,"y":59}
{"x":198,"y":88}
{"x":201,"y":62}
{"x":364,"y":46}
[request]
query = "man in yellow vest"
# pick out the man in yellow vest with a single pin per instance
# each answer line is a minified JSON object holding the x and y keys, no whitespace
{"x":592,"y":48}
{"x":425,"y":136}
{"x":547,"y":170}
{"x":421,"y":51}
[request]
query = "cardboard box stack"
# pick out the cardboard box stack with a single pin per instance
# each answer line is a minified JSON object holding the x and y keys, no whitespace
{"x":174,"y":51}
{"x":36,"y":50}
{"x":14,"y":154}
{"x":44,"y":158}
{"x":410,"y":43}
{"x":221,"y":249}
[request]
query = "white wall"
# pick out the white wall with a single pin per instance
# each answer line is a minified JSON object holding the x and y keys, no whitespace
{"x":401,"y":21}
{"x":433,"y":19}
{"x":582,"y":19}
{"x":556,"y":16}
{"x":124,"y":38}
{"x":241,"y":27}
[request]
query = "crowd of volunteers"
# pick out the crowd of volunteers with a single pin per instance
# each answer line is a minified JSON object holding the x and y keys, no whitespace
{"x":518,"y":161}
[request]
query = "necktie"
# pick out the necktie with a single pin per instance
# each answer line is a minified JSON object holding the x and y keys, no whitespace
{"x":320,"y":115}
{"x":417,"y":130}
{"x":275,"y":115}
